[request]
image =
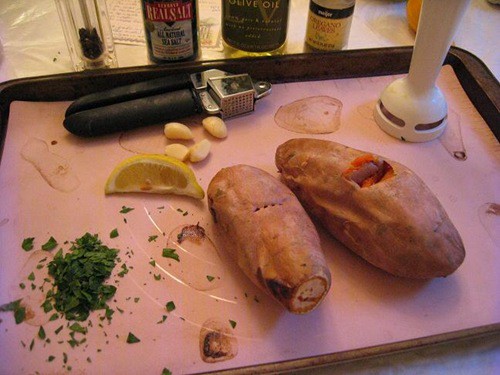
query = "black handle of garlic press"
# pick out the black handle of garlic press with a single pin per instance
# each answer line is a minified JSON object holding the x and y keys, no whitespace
{"x":130,"y":92}
{"x":133,"y":113}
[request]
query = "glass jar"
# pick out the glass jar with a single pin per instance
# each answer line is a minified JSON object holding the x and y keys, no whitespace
{"x":171,"y":28}
{"x":88,"y":33}
{"x":329,"y":24}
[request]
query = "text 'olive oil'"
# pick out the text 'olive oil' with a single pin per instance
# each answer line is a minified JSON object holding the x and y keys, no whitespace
{"x":255,"y":27}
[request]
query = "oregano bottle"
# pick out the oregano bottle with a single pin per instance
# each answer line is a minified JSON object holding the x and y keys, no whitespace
{"x":329,"y":23}
{"x":255,"y":26}
{"x":171,"y":28}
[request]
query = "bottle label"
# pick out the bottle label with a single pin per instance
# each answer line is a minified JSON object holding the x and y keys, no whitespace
{"x":255,"y":25}
{"x":169,"y":29}
{"x":328,"y":29}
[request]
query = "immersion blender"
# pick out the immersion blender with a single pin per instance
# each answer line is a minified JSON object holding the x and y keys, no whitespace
{"x":413,"y":108}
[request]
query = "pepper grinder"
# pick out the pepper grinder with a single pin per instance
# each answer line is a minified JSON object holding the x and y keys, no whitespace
{"x":88,"y":33}
{"x":413,"y":108}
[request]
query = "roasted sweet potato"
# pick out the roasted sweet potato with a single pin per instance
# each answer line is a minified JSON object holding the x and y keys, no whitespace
{"x":271,"y":237}
{"x":378,"y":208}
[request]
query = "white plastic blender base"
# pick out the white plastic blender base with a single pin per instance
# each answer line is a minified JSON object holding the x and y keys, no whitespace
{"x":411,"y":117}
{"x":413,"y":108}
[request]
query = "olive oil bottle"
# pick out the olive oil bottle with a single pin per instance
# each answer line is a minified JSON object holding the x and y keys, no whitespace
{"x":171,"y":28}
{"x":254,"y":27}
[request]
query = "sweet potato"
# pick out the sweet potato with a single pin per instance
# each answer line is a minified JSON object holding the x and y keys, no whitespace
{"x":378,"y":208}
{"x":271,"y":237}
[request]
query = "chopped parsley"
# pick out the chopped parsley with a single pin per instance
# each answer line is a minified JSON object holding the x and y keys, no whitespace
{"x":41,"y":333}
{"x":170,"y":253}
{"x":27,"y":244}
{"x":53,"y":317}
{"x":184,"y":213}
{"x":233,"y":323}
{"x":163,"y":318}
{"x":109,"y":313}
{"x":126,"y":210}
{"x":113,"y":233}
{"x":50,"y":244}
{"x":166,"y":371}
{"x":73,"y":342}
{"x":47,"y":306}
{"x":76,"y":327}
{"x":210,"y":278}
{"x":79,"y":278}
{"x":132,"y":339}
{"x":124,"y":270}
{"x":152,"y":238}
{"x":18,"y":310}
{"x":170,"y":306}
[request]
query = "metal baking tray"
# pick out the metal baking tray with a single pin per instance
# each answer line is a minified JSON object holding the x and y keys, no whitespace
{"x":478,"y":83}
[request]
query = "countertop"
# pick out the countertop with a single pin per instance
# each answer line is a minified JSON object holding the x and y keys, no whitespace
{"x":32,"y":41}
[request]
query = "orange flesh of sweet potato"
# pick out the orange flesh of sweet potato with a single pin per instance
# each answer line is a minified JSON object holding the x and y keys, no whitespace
{"x":367,"y":170}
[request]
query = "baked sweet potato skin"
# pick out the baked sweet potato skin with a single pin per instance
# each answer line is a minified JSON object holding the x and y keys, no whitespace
{"x":396,"y":224}
{"x":271,"y":237}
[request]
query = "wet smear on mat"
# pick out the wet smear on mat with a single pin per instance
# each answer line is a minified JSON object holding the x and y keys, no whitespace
{"x":217,"y":342}
{"x":312,"y":115}
{"x":451,"y":139}
{"x":489,"y":216}
{"x":201,"y":267}
{"x":366,"y":110}
{"x":31,"y":287}
{"x":147,"y":140}
{"x":54,"y":169}
{"x":188,"y":255}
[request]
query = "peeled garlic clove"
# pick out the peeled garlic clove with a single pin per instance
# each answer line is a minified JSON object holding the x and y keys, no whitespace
{"x":176,"y":130}
{"x":215,"y":126}
{"x":178,"y":151}
{"x":199,"y":151}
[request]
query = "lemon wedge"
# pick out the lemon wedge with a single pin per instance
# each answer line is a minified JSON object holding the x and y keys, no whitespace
{"x":153,"y":174}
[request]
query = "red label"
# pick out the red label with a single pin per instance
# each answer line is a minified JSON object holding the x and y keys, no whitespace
{"x":169,"y":12}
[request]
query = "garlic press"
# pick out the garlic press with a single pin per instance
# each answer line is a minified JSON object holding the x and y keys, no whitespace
{"x":214,"y":92}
